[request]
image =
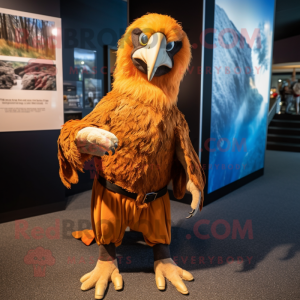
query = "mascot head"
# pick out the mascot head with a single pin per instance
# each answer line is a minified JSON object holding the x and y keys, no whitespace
{"x":152,"y":58}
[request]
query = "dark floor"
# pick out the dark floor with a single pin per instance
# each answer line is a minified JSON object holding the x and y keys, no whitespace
{"x":266,"y":266}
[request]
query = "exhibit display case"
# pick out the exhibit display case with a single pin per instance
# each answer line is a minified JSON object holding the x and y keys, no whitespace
{"x":85,"y":62}
{"x":73,"y":97}
{"x":92,"y":92}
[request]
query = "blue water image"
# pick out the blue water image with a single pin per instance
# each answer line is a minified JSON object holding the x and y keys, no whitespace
{"x":238,"y":112}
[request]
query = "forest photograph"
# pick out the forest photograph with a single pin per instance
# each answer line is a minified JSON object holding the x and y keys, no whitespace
{"x":27,"y":37}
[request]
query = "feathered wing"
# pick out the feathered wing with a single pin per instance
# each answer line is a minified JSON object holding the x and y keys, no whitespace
{"x":178,"y":178}
{"x":190,"y":160}
{"x":70,"y":159}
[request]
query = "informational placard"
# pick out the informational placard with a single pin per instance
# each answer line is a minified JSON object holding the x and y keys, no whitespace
{"x":31,"y":84}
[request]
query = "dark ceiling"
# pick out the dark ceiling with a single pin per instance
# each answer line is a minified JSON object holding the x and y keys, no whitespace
{"x":287,"y":19}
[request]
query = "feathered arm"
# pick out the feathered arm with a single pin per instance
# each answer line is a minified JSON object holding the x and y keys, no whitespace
{"x":79,"y":140}
{"x":195,"y":177}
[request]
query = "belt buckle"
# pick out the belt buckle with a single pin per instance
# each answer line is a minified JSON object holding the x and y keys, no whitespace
{"x":150,"y":194}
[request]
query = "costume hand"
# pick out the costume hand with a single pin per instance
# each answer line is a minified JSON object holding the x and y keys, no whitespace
{"x":96,"y":141}
{"x":104,"y":272}
{"x":196,"y":194}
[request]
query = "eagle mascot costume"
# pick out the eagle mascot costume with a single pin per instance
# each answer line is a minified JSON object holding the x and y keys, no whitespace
{"x":139,"y":141}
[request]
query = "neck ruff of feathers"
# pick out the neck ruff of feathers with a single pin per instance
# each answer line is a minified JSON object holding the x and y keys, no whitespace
{"x":146,"y":92}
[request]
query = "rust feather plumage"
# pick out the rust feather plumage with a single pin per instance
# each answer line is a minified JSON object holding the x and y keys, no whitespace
{"x":145,"y":118}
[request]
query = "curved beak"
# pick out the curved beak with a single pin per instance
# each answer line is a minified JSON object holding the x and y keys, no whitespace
{"x":154,"y":54}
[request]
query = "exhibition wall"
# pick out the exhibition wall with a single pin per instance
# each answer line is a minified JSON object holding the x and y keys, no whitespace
{"x":47,"y":8}
{"x":30,"y":184}
{"x":281,"y":55}
{"x":87,"y":29}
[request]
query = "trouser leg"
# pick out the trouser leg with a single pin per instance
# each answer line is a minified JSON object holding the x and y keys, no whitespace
{"x":161,"y":251}
{"x":297,"y":100}
{"x":107,"y":252}
{"x":154,"y":221}
{"x":288,"y":107}
{"x":108,"y":215}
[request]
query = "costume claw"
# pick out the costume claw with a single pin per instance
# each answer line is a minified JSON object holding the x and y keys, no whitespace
{"x":116,"y":145}
{"x":187,"y":275}
{"x":192,"y":213}
{"x":104,"y":272}
{"x":106,"y":153}
{"x":167,"y":268}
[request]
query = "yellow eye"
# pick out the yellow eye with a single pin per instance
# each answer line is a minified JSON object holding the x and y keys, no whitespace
{"x":143,"y":39}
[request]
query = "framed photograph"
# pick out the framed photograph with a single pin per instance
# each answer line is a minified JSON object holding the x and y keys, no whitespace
{"x":35,"y":76}
{"x":30,"y":72}
{"x":26,"y":36}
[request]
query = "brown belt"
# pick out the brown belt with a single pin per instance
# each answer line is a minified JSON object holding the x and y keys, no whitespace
{"x":149,"y":197}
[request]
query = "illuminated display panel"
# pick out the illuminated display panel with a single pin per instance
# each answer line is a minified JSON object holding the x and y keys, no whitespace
{"x":241,"y":73}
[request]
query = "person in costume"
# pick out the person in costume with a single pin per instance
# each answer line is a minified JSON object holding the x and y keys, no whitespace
{"x":140,"y":142}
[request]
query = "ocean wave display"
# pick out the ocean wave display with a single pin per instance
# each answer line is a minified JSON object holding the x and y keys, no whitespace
{"x":238,"y":111}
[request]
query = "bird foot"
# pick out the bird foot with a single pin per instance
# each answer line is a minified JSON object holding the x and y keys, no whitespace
{"x":166,"y":268}
{"x":104,"y":272}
